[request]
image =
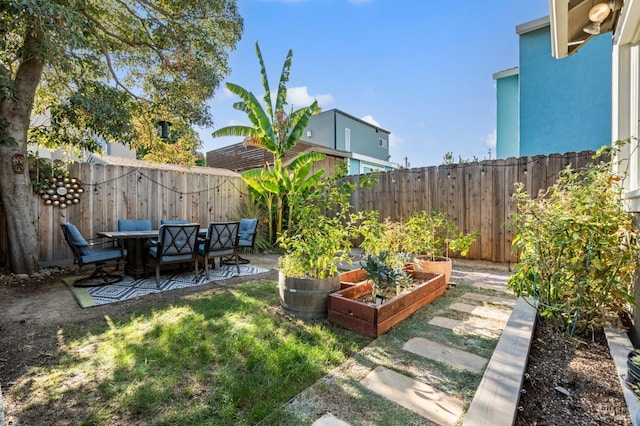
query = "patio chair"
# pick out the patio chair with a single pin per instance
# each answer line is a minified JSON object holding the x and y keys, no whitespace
{"x":221,"y":241}
{"x":175,"y":244}
{"x":134,"y":225}
{"x":84,"y":253}
{"x":174,"y":222}
{"x":246,"y":238}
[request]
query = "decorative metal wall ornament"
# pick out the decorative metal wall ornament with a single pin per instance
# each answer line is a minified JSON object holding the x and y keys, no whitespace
{"x":18,"y":163}
{"x":61,"y":191}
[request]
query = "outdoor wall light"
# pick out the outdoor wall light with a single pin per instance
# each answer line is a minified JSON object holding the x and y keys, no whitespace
{"x":599,"y":12}
{"x":593,"y":29}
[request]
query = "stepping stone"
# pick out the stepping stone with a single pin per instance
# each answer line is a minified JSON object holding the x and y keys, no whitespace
{"x":507,"y":301}
{"x":473,"y":325}
{"x":482,"y":311}
{"x":496,"y":287}
{"x":418,"y":397}
{"x":447,"y":355}
{"x":329,"y":420}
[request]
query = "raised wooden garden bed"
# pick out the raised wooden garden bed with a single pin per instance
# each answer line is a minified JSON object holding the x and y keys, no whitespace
{"x":371,"y":320}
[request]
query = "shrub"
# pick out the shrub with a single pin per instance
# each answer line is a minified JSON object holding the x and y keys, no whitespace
{"x":577,"y":247}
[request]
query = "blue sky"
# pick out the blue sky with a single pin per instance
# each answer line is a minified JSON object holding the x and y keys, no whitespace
{"x":422,"y":69}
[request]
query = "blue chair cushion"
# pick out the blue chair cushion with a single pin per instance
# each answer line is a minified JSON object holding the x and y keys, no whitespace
{"x":78,"y":240}
{"x":153,"y":251}
{"x":103,"y":254}
{"x":227,"y":252}
{"x":246,"y":231}
{"x":173,"y":222}
{"x":134,"y":225}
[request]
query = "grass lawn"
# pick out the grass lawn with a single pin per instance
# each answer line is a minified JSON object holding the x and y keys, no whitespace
{"x":225,"y":357}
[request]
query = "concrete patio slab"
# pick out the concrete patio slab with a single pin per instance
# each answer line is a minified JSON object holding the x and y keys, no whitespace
{"x":489,"y":312}
{"x":453,"y":357}
{"x":419,"y":397}
{"x":329,"y":420}
{"x":496,"y":287}
{"x":476,"y":326}
{"x":506,"y":301}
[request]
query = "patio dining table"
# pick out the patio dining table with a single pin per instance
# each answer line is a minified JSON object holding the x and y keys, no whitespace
{"x":136,"y":250}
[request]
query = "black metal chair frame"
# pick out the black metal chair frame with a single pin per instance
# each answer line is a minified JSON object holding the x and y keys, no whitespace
{"x":229,"y":260}
{"x":221,"y":237}
{"x":173,"y":244}
{"x":98,"y":273}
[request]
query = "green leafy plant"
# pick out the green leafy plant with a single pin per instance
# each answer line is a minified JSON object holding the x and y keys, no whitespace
{"x":434,"y":234}
{"x":42,"y":170}
{"x":276,"y":131}
{"x":431,"y":233}
{"x":322,"y":230}
{"x":383,"y":271}
{"x":578,"y":248}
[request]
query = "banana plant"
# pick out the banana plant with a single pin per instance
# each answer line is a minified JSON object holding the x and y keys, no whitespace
{"x":265,"y":189}
{"x":271,"y":129}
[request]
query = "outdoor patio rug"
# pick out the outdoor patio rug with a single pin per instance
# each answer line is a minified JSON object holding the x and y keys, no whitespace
{"x":129,"y":288}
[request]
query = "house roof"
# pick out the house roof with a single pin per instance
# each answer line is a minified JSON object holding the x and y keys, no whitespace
{"x":239,"y":157}
{"x":111,"y":160}
{"x":569,"y":18}
{"x":356,"y":119}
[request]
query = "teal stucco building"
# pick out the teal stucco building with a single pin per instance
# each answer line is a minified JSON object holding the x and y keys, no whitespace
{"x":547,"y":106}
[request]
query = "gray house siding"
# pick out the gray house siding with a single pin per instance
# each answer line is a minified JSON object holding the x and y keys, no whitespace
{"x":329,"y":129}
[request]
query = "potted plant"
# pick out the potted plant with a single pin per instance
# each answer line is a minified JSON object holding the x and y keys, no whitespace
{"x":319,"y":240}
{"x":430,"y":237}
{"x":385,"y":274}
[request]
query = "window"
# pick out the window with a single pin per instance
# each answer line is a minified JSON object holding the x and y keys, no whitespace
{"x":382,"y":142}
{"x":347,"y":139}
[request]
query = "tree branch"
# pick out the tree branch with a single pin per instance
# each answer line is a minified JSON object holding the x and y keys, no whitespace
{"x":118,"y":37}
{"x":112,"y":71}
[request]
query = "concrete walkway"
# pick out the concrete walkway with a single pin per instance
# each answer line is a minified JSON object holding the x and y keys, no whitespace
{"x":480,"y":313}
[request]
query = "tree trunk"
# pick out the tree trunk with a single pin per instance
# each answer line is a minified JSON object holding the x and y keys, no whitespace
{"x":15,"y":186}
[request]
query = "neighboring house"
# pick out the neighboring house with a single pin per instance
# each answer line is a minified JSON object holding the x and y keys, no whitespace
{"x":546,"y":106}
{"x":568,"y":19}
{"x":335,"y":133}
{"x":240,"y":158}
{"x":367,"y":143}
{"x":114,"y":149}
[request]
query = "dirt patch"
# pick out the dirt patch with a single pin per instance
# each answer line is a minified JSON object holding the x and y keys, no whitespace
{"x":571,"y":381}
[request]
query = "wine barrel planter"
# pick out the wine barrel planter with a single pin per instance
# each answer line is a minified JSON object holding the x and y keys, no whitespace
{"x":306,"y":298}
{"x":435,"y":265}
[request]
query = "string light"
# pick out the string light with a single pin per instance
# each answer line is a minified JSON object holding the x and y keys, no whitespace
{"x":141,"y":175}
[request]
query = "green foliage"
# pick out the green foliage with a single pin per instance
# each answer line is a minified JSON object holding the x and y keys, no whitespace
{"x":578,"y":248}
{"x":41,"y":170}
{"x":384,"y":272}
{"x":431,"y":233}
{"x":274,"y":130}
{"x":323,"y":229}
{"x":107,"y":63}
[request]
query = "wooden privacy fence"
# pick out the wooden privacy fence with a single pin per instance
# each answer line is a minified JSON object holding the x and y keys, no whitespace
{"x":199,"y":194}
{"x":477,"y":196}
